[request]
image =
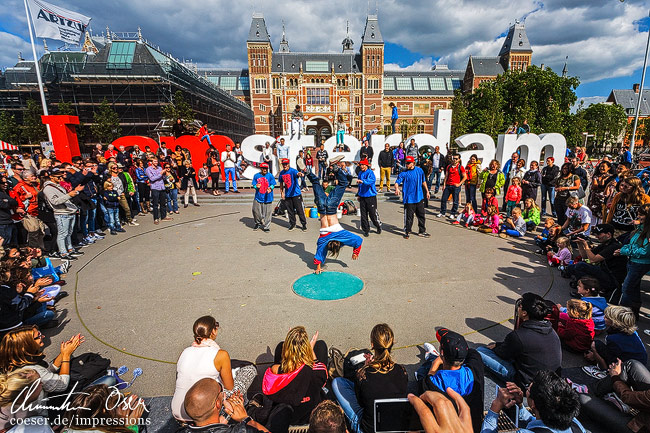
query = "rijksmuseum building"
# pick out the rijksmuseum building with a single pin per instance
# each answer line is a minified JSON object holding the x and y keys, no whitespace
{"x":353,"y":83}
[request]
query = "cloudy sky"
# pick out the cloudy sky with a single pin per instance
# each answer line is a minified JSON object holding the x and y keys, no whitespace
{"x":604,"y":39}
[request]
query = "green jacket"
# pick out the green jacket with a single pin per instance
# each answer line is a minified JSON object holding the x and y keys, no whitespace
{"x":533,"y":215}
{"x":637,"y":253}
{"x":501,"y":180}
{"x":129,"y":182}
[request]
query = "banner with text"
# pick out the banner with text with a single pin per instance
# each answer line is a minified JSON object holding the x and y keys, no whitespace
{"x":53,"y":22}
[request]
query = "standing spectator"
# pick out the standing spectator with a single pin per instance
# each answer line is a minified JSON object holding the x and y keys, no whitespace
{"x":531,"y":181}
{"x":240,"y":159}
{"x":97,"y":152}
{"x":163,"y":153}
{"x":156,"y":177}
{"x":282,"y":150}
{"x":455,"y":176}
{"x":386,"y":162}
{"x":297,"y":123}
{"x":437,"y":165}
{"x":596,"y":199}
{"x":110,"y":152}
{"x":321,"y":157}
{"x":533,"y":347}
{"x":142,"y":181}
{"x":267,"y":155}
{"x":368,"y":198}
{"x":64,"y":210}
{"x":112,"y":203}
{"x":566,"y":185}
{"x":302,"y":166}
{"x":229,"y":160}
{"x":309,"y":161}
{"x":188,"y":183}
{"x":550,"y":172}
{"x":340,"y":130}
{"x":626,"y":155}
{"x":513,"y":195}
{"x":580,"y":172}
{"x":214,"y":165}
{"x":120,"y":188}
{"x":492,"y":179}
{"x":292,"y":194}
{"x":399,"y":154}
{"x":26,"y":195}
{"x":264,"y":183}
{"x":413,"y":150}
{"x":638,"y":252}
{"x":171,"y":188}
{"x":413,"y":181}
{"x":473,"y":171}
{"x":204,"y":175}
{"x":626,"y":204}
{"x":393,"y":116}
{"x":509,"y":170}
{"x":178,"y":129}
{"x":7,"y":207}
{"x":367,"y":152}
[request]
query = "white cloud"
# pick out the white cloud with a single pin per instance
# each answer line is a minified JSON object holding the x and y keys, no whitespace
{"x":424,"y":64}
{"x":11,"y":46}
{"x":587,"y":101}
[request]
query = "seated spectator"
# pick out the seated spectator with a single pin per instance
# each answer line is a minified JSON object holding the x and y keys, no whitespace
{"x":637,"y":251}
{"x":622,"y":341}
{"x":327,"y":417}
{"x":457,"y":367}
{"x":531,"y":214}
{"x":626,"y":387}
{"x":534,"y":346}
{"x":575,"y":327}
{"x":105,"y":410}
{"x":546,"y":240}
{"x":608,"y":268}
{"x":380,"y":378}
{"x":514,"y":225}
{"x":589,"y":291}
{"x":491,"y":224}
{"x":553,"y":403}
{"x":564,"y":256}
{"x":466,"y":217}
{"x":488,"y":200}
{"x":578,"y":219}
{"x":204,"y":358}
{"x":12,"y":394}
{"x":211,"y":412}
{"x":297,"y":377}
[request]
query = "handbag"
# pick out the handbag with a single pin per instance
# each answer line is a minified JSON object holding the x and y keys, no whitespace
{"x":579,"y":193}
{"x":33,"y":224}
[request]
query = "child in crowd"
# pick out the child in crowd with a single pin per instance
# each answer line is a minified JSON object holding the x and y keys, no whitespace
{"x":531,"y":214}
{"x":204,"y":174}
{"x":488,"y":200}
{"x":589,"y":291}
{"x":622,"y":341}
{"x":564,"y":256}
{"x":466,"y":217}
{"x":514,"y":226}
{"x":112,"y":203}
{"x":491,"y":223}
{"x":550,"y":233}
{"x":576,"y":327}
{"x":513,"y":195}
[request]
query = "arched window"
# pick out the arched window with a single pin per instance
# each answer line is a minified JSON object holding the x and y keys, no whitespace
{"x":404,"y":129}
{"x":387,"y":129}
{"x":420,"y":128}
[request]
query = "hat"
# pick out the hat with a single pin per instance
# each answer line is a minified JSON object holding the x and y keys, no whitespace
{"x":364,"y":161}
{"x":56,"y":171}
{"x":337,"y":158}
{"x":284,"y":161}
{"x":603,"y":228}
{"x":264,"y":165}
{"x":410,"y":159}
{"x":453,"y":345}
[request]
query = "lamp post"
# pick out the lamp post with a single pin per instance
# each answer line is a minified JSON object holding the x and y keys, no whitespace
{"x":638,"y":104}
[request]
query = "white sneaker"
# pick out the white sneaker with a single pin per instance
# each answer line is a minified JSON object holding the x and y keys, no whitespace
{"x":430,"y":349}
{"x":440,"y":215}
{"x":452,"y":216}
{"x":594,"y":371}
{"x":132,"y":223}
{"x":134,"y":219}
{"x":616,"y":401}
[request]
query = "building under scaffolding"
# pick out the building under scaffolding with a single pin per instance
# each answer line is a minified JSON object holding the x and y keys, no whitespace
{"x":136,"y":78}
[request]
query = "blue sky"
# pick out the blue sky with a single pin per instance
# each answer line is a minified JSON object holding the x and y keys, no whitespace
{"x":604,"y":39}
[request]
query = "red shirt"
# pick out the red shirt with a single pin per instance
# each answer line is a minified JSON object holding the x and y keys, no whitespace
{"x":110,"y":154}
{"x":454,"y":174}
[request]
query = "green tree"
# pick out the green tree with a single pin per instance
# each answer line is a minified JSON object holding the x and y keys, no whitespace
{"x":106,"y":123}
{"x":459,"y":115}
{"x":65,"y":109}
{"x":9,"y":129}
{"x":178,"y":108}
{"x":485,"y":109}
{"x":606,"y":122}
{"x":33,"y":129}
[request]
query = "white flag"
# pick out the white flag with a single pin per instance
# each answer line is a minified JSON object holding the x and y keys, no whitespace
{"x":53,"y":22}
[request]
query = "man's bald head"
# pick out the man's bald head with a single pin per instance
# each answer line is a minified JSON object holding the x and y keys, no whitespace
{"x":201,"y":398}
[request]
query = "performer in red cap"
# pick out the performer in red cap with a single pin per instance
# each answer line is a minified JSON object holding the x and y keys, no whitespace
{"x":413,"y":181}
{"x":368,"y":197}
{"x":292,"y":194}
{"x":332,"y":235}
{"x":263,"y":182}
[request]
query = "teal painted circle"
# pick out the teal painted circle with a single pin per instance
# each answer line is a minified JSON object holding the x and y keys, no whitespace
{"x":327,"y":286}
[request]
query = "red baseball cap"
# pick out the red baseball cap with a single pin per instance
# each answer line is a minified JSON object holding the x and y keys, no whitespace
{"x":284,"y":161}
{"x":410,"y":159}
{"x":264,"y":165}
{"x":364,"y":161}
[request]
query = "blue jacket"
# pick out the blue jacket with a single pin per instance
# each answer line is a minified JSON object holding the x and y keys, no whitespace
{"x":263,"y":196}
{"x":411,"y":181}
{"x":525,"y":419}
{"x":343,"y":236}
{"x":367,"y":187}
{"x":637,"y":253}
{"x":625,"y":347}
{"x":393,"y":114}
{"x":289,"y":178}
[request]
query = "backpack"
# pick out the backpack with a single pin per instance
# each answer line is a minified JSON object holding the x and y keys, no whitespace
{"x":335,"y":362}
{"x":280,"y":209}
{"x":349,"y":208}
{"x":86,"y":368}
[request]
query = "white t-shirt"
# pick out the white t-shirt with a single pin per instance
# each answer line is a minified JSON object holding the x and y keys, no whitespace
{"x":194,"y":364}
{"x":578,"y":217}
{"x":228,"y":159}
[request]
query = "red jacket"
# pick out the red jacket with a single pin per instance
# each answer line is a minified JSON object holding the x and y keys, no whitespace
{"x":492,"y":202}
{"x":20,"y":193}
{"x":577,"y":334}
{"x":514,"y":193}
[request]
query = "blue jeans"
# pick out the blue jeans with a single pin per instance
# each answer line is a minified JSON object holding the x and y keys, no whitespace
{"x":8,"y":233}
{"x":450,"y":190}
{"x":322,"y":169}
{"x":42,"y":316}
{"x":344,"y":391}
{"x":159,"y":201}
{"x":392,"y":124}
{"x":327,"y":205}
{"x":113,"y":214}
{"x":632,"y":285}
{"x":231,"y":174}
{"x":510,"y":232}
{"x":550,"y":192}
{"x":172,"y":200}
{"x":203,"y":184}
{"x":339,"y":136}
{"x":207,"y":138}
{"x":503,"y":369}
{"x":435,"y":174}
{"x":64,"y":227}
{"x":423,"y":370}
{"x":470,"y":195}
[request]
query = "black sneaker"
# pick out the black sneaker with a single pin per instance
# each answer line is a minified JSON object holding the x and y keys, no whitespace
{"x":256,"y":227}
{"x":76,"y":253}
{"x":303,"y":228}
{"x":113,"y":232}
{"x":62,"y":294}
{"x":120,"y":230}
{"x":292,"y":226}
{"x":266,"y":230}
{"x":366,"y":234}
{"x":379,"y":230}
{"x":424,"y":235}
{"x":51,"y":324}
{"x":68,"y":257}
{"x":406,"y":236}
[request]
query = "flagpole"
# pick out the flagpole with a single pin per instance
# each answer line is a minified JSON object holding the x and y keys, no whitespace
{"x":37,"y":68}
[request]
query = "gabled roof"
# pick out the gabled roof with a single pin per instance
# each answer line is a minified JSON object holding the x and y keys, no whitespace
{"x":485,"y":66}
{"x":628,"y":99}
{"x":258,"y":31}
{"x":516,"y":40}
{"x":291,"y":62}
{"x":371,"y":34}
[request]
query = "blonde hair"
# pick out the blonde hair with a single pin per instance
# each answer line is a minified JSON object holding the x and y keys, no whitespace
{"x":578,"y":309}
{"x":296,"y":350}
{"x":530,"y":200}
{"x":12,"y":384}
{"x":622,"y":319}
{"x":564,"y":242}
{"x":19,"y":348}
{"x":516,"y":209}
{"x":107,"y":184}
{"x":382,"y":340}
{"x":187,"y":162}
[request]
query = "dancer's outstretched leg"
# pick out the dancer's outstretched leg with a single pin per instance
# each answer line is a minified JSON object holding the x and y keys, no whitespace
{"x":319,"y":193}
